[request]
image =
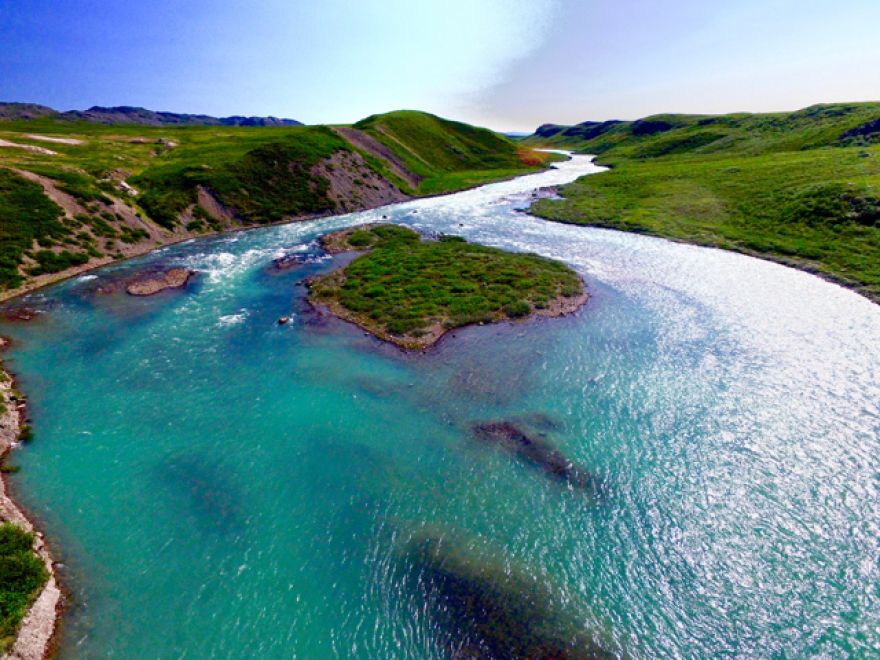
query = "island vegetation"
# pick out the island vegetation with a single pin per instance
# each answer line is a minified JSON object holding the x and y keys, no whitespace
{"x":78,"y":190}
{"x":802,"y":188}
{"x":410,"y":290}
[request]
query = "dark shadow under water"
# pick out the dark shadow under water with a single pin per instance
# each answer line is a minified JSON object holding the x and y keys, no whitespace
{"x":491,"y":611}
{"x":537,"y":453}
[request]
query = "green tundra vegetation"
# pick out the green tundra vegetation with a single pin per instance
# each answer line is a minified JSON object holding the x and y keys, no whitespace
{"x":802,"y":188}
{"x":26,"y":216}
{"x":122,"y":189}
{"x":264,"y":181}
{"x":22,"y":575}
{"x":447,"y":155}
{"x":406,"y":285}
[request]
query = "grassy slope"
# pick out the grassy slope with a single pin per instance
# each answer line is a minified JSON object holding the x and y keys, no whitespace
{"x":802,"y":188}
{"x":448,"y":155}
{"x":26,"y":214}
{"x":259,"y":174}
{"x":264,"y":177}
{"x":406,"y":284}
{"x":742,"y":133}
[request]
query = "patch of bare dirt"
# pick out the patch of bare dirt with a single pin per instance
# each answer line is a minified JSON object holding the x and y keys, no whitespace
{"x":28,"y":147}
{"x":215,"y":208}
{"x":352,"y":185}
{"x":65,"y":201}
{"x":372,"y":146}
{"x":56,"y":140}
{"x":125,"y":216}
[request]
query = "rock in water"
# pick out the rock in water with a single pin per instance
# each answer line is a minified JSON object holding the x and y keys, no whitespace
{"x":152,"y":283}
{"x":535,"y":452}
{"x":295,"y":260}
{"x":20,"y":314}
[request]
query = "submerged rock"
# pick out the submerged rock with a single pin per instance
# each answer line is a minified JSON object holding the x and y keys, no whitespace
{"x":535,"y":452}
{"x":109,"y":288}
{"x":493,"y":611}
{"x":203,"y":489}
{"x":152,"y":283}
{"x":20,"y":314}
{"x":295,"y":260}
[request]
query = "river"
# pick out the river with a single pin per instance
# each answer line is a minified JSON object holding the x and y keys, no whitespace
{"x":218,"y":485}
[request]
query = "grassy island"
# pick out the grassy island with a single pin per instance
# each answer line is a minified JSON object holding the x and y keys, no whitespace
{"x":410,"y":290}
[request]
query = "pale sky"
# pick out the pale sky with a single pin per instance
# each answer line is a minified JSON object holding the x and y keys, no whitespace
{"x":508,"y":64}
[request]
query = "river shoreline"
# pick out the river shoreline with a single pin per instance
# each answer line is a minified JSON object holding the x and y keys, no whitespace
{"x":46,"y":280}
{"x":796,"y":263}
{"x":38,"y":632}
{"x":558,"y":307}
{"x":38,"y":629}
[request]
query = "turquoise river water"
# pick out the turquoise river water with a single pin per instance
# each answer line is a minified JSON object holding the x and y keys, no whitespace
{"x":217,"y":485}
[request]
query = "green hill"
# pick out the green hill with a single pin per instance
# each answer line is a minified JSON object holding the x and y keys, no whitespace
{"x":802,"y":188}
{"x":844,"y":124}
{"x":75,"y":194}
{"x":443,"y":154}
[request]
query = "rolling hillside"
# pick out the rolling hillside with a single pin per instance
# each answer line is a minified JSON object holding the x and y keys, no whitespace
{"x":76,"y":194}
{"x":802,"y":188}
{"x":851,"y":124}
{"x":443,"y":154}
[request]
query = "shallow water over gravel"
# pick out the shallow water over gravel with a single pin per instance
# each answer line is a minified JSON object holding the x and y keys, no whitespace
{"x":221,"y":486}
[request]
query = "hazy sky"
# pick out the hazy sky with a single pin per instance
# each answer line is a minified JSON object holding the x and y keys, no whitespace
{"x":508,"y":64}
